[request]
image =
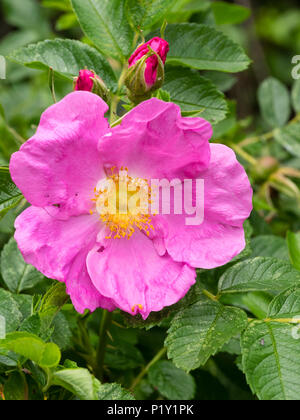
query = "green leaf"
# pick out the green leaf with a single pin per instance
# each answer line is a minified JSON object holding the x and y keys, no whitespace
{"x":257,"y":303}
{"x":105,"y":23}
{"x":289,"y":138}
{"x":296,"y":96}
{"x":286,"y":305}
{"x":51,"y":304}
{"x":233,"y":346}
{"x":62,"y":334}
{"x":171,"y":382}
{"x":31,"y":325}
{"x":10,"y":196}
{"x":78,"y":381}
{"x":143,"y":14}
{"x":17,"y":275}
{"x":270,"y":246}
{"x":9,"y":310}
{"x":25,"y":303}
{"x":199,"y":331}
{"x":110,"y":392}
{"x":229,"y":14}
{"x":163,"y":95}
{"x":46,"y":355}
{"x":81,"y":383}
{"x":274,"y":101}
{"x":293,"y":240}
{"x":8,"y":358}
{"x":124,"y":356}
{"x":271,"y":360}
{"x":259,"y":274}
{"x":196,"y":94}
{"x":223,"y":81}
{"x":56,"y":297}
{"x":66,"y":57}
{"x":15,"y":389}
{"x":204,"y":48}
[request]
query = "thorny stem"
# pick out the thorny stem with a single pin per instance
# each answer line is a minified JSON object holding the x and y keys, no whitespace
{"x":104,"y":326}
{"x":155,"y":359}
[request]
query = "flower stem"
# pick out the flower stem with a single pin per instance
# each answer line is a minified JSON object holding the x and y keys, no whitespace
{"x":19,"y":139}
{"x":155,"y":359}
{"x":104,"y":326}
{"x":283,"y":320}
{"x":116,"y":98}
{"x":49,"y":379}
{"x":248,"y":158}
{"x":210,"y":295}
{"x":113,"y":109}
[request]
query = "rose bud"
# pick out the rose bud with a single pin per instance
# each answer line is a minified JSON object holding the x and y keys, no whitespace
{"x":146,"y":69}
{"x":266,"y":166}
{"x":89,"y":81}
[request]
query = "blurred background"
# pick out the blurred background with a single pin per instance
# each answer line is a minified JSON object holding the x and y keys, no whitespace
{"x":271,"y":36}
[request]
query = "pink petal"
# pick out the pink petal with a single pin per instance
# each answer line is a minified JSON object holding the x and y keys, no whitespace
{"x":137,"y":279}
{"x":154,"y":141}
{"x":51,"y":244}
{"x":83,"y":293}
{"x":58,"y":248}
{"x":227,"y":204}
{"x":60,"y":164}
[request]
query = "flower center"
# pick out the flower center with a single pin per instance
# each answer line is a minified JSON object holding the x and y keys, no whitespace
{"x":123,"y":204}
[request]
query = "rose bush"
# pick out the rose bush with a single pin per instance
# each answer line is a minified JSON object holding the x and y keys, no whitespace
{"x":149,"y":201}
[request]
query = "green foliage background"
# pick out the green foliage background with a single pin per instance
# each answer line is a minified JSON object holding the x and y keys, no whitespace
{"x":235,"y":336}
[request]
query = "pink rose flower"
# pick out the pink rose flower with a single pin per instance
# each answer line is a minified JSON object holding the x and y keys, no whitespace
{"x":85,"y":80}
{"x":161,"y":47}
{"x":119,"y":261}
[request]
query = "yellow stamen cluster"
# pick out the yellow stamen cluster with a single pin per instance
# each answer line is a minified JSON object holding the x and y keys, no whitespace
{"x":139,"y":306}
{"x":120,"y":216}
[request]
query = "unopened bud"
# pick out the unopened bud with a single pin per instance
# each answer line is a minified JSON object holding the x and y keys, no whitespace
{"x":90,"y":82}
{"x":146,"y":69}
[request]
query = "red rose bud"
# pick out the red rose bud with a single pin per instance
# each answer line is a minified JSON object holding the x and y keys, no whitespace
{"x":90,"y":82}
{"x":146,"y":69}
